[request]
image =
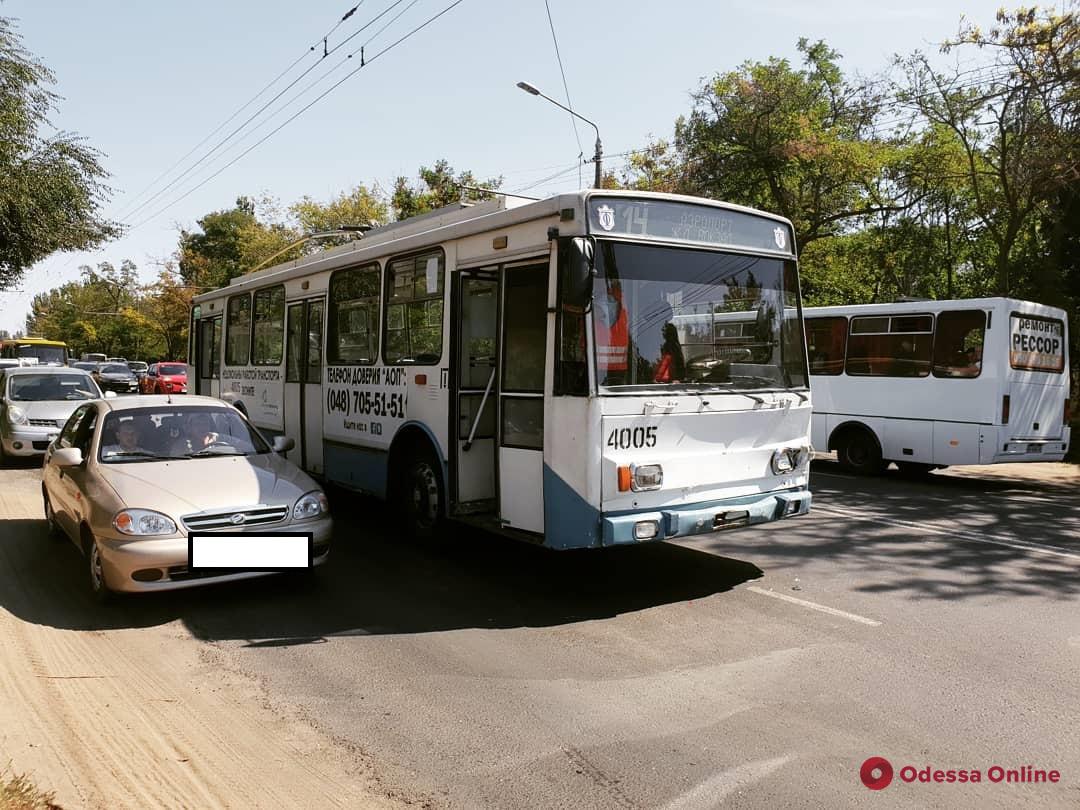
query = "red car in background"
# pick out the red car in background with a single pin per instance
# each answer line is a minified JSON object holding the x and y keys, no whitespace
{"x":164,"y":378}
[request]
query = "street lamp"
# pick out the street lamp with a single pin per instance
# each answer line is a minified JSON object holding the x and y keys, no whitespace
{"x":532,"y":90}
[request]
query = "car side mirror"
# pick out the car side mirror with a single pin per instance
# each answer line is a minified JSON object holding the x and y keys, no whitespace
{"x":68,"y":457}
{"x":283,"y":444}
{"x":110,"y":395}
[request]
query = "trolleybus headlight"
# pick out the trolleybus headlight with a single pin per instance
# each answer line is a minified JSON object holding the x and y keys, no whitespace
{"x":310,"y":506}
{"x":782,"y":461}
{"x":644,"y":477}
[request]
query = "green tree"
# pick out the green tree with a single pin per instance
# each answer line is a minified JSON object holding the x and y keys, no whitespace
{"x":1015,"y":120}
{"x":358,"y":207}
{"x":438,"y":187}
{"x":799,"y":142}
{"x":233,"y":241}
{"x":51,"y":186}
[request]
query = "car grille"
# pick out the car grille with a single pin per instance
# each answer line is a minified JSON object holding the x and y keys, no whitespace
{"x":253,"y":516}
{"x":44,"y":423}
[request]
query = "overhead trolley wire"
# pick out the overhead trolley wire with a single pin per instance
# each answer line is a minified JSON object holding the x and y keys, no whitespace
{"x":127,"y":206}
{"x":308,"y":106}
{"x":566,"y":87}
{"x":187,"y":172}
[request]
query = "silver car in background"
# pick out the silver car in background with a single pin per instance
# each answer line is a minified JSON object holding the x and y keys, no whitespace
{"x":129,"y":479}
{"x":35,"y":402}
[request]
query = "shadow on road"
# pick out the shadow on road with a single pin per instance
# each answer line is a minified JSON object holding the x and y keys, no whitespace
{"x":877,"y":536}
{"x":375,"y":583}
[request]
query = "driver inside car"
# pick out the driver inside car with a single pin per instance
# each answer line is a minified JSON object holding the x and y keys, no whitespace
{"x":198,"y":435}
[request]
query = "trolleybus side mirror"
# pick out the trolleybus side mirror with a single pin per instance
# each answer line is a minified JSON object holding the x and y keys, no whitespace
{"x":579,"y":270}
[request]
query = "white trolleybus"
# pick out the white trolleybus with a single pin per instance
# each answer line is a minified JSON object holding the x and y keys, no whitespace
{"x":927,"y":384}
{"x":552,"y":370}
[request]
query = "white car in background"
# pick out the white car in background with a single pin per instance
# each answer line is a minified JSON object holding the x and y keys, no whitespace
{"x":35,"y":402}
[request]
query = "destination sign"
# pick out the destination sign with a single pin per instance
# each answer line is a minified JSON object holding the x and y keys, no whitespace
{"x":660,"y":219}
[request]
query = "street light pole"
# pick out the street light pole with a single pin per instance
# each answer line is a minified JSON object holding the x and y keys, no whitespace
{"x":598,"y":156}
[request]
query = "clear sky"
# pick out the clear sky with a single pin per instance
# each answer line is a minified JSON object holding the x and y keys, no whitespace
{"x":144,"y":82}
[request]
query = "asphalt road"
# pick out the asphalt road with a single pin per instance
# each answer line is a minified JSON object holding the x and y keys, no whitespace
{"x":932,"y":622}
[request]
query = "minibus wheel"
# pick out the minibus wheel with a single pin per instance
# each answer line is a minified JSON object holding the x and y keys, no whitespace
{"x":858,"y":452}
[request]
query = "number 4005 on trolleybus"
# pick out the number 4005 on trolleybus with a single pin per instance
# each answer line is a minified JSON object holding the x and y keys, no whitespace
{"x":559,"y":370}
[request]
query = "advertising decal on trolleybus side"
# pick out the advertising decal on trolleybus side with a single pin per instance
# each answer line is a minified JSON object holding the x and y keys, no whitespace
{"x":563,"y":371}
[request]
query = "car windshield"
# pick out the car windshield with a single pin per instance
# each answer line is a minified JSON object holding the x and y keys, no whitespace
{"x":115,"y":368}
{"x":172,"y":370}
{"x":665,"y":316}
{"x":177,"y":433}
{"x":51,"y":387}
{"x":135,"y":366}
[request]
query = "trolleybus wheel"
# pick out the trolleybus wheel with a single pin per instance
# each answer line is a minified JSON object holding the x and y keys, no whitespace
{"x":421,"y":497}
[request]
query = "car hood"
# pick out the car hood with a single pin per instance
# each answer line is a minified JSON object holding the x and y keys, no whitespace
{"x":59,"y":410}
{"x":185,"y":486}
{"x":116,"y":376}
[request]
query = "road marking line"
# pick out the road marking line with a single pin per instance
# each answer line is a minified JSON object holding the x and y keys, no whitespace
{"x":991,"y":539}
{"x":714,"y":790}
{"x":814,"y":606}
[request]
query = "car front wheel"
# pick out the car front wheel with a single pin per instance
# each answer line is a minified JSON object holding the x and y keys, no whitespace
{"x":99,"y":586}
{"x":55,"y":532}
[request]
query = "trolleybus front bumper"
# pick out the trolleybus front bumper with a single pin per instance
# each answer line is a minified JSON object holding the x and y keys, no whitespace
{"x":703,"y":518}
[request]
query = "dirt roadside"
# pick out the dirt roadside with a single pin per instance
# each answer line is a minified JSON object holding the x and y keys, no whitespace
{"x":147,"y":717}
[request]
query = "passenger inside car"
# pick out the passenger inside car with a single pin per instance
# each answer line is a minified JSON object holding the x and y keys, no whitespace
{"x":127,"y":440}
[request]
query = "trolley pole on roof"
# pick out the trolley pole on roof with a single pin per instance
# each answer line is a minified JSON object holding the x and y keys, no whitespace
{"x":598,"y":156}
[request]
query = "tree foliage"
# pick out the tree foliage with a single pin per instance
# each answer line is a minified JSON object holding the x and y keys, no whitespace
{"x":438,"y":187}
{"x":797,"y":141}
{"x":51,"y":186}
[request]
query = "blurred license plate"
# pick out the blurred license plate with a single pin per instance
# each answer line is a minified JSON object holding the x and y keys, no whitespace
{"x":1034,"y":448}
{"x":250,"y":552}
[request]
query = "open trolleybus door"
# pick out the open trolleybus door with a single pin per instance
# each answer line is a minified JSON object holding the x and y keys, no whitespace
{"x":208,"y":357}
{"x":475,"y":392}
{"x":521,"y":396}
{"x":303,"y":382}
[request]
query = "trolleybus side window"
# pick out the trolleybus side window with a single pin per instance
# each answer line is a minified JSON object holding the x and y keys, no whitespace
{"x":414,"y":309}
{"x":896,"y":346}
{"x":354,"y":316}
{"x":958,"y":343}
{"x":826,"y":341}
{"x":238,"y":330}
{"x":269,"y":327}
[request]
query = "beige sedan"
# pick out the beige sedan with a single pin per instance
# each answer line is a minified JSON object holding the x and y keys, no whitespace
{"x":161,"y":494}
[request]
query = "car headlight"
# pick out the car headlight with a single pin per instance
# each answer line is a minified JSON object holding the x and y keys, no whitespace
{"x":311,"y":506}
{"x":16,"y":415}
{"x":143,"y":523}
